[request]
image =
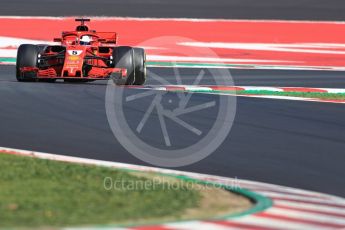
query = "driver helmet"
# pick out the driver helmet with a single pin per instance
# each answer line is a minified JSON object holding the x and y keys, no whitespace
{"x":85,"y":40}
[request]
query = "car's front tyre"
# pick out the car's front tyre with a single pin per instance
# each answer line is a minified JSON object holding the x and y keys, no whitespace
{"x":123,"y":57}
{"x":140,"y":66}
{"x":26,"y":57}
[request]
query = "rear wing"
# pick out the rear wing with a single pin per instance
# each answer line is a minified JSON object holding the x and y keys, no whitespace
{"x":107,"y":37}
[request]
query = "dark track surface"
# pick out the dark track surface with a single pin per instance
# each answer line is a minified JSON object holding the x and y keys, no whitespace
{"x":298,"y":144}
{"x":234,"y":9}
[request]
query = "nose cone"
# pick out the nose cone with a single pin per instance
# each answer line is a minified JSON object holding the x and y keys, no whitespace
{"x":74,"y":60}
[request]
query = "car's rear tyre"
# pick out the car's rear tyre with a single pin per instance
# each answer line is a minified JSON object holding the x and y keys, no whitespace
{"x":26,"y":57}
{"x":123,"y":57}
{"x":140,"y":66}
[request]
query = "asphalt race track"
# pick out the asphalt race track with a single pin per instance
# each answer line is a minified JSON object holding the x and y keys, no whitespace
{"x":292,"y":143}
{"x":235,"y":9}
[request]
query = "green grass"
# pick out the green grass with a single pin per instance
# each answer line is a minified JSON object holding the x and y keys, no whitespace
{"x":330,"y":96}
{"x":2,"y":59}
{"x":36,"y":193}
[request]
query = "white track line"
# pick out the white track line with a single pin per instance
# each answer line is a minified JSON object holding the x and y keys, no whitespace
{"x":258,"y":222}
{"x":197,"y":225}
{"x":306,"y":216}
{"x":311,"y":207}
{"x":278,"y":195}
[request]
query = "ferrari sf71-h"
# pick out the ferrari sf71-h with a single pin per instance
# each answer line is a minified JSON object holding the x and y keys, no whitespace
{"x":83,"y":55}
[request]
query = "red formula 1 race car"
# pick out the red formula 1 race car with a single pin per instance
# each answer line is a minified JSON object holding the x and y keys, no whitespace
{"x":83,"y":55}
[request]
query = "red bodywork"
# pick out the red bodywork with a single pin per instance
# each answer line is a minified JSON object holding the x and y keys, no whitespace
{"x":74,"y":60}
